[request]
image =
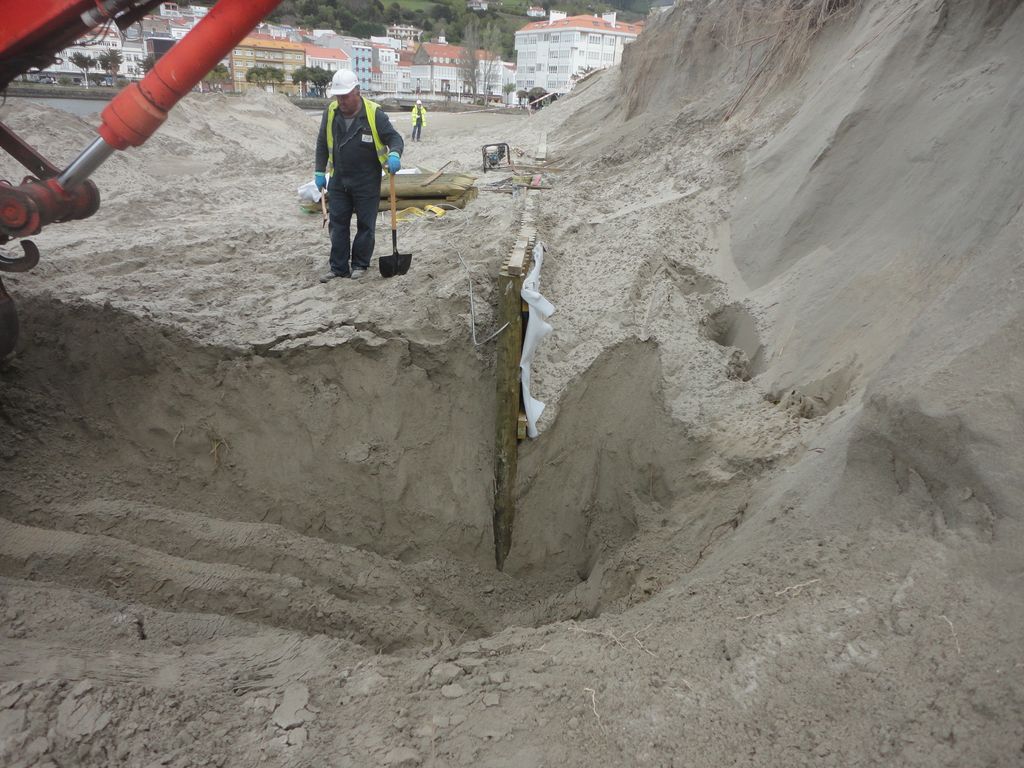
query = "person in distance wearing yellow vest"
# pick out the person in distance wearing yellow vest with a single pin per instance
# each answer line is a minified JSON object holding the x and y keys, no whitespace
{"x":419,"y":119}
{"x":355,"y":141}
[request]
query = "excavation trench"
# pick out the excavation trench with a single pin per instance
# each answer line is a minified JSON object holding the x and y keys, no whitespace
{"x":338,"y":484}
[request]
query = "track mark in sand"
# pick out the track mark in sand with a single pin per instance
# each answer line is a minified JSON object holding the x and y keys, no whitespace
{"x":339,"y":572}
{"x":649,"y":202}
{"x":138,"y":574}
{"x":118,"y":268}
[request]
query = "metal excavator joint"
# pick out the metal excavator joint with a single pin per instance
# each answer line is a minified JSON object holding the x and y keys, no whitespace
{"x":24,"y":210}
{"x":31,"y":35}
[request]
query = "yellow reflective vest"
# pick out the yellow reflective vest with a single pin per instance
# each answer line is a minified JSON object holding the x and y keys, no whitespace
{"x":371,"y":116}
{"x":420,"y":112}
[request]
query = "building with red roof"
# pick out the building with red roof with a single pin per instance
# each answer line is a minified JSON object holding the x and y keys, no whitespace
{"x":384,"y":70}
{"x":439,"y":69}
{"x":331,"y":59}
{"x":551,"y":54}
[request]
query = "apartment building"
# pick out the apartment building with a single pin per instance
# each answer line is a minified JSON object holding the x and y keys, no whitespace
{"x":180,"y":27}
{"x":437,"y":71}
{"x":331,"y":59}
{"x":407,"y":33}
{"x":550,"y":54}
{"x":266,"y":51}
{"x":384,"y":70}
{"x":95,"y":45}
{"x":405,"y":81}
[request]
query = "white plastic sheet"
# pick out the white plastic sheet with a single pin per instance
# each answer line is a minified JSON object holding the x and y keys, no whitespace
{"x":308,"y":193}
{"x":536,"y":329}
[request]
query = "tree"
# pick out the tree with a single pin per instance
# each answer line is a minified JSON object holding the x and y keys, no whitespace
{"x":467,"y":61}
{"x":84,"y":62}
{"x":535,"y":95}
{"x":110,"y":61}
{"x":442,"y":13}
{"x":346,"y":19}
{"x":219,"y":74}
{"x":148,"y":63}
{"x":264,"y":76}
{"x":320,"y":78}
{"x":490,"y":64}
{"x":368,"y":29}
{"x":507,"y":88}
{"x":300,"y":77}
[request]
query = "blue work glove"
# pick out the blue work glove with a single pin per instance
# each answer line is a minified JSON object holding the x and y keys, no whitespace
{"x":320,"y":179}
{"x":394,"y":162}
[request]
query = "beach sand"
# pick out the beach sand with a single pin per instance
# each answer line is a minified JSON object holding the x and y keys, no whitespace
{"x":773,"y":514}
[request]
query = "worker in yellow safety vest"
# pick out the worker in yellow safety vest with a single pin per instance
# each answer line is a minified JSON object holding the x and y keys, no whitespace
{"x":356,"y":140}
{"x":419,"y":119}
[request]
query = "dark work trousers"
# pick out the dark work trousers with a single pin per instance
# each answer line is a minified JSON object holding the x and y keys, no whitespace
{"x":417,"y":130}
{"x":343,"y":203}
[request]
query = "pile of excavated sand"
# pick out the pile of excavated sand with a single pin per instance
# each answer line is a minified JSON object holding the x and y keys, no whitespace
{"x":773,"y":514}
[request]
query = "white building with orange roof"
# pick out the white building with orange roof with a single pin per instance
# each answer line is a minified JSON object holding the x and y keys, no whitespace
{"x":405,"y":81}
{"x":384,"y":73}
{"x":331,"y":59}
{"x":550,"y":53}
{"x":435,"y":69}
{"x":181,"y":27}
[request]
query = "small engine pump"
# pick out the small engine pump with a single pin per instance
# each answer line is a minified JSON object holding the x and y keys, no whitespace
{"x":496,"y":155}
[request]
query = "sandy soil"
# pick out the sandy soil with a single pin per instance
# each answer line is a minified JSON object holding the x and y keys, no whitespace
{"x":773,"y":516}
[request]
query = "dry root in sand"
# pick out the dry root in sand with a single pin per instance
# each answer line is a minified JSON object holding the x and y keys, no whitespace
{"x":779,"y":35}
{"x":613,"y":638}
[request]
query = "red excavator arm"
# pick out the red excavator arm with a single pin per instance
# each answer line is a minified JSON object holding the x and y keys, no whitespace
{"x":31,"y":35}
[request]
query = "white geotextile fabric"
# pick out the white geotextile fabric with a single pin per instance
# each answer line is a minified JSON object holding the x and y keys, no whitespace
{"x":536,"y":329}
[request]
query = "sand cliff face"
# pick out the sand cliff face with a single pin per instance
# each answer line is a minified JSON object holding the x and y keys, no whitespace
{"x":773,"y":517}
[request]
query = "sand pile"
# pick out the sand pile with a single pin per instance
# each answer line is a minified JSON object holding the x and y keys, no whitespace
{"x":772,"y":517}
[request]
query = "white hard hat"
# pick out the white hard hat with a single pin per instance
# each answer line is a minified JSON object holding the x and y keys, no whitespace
{"x":343,"y":82}
{"x":419,"y":102}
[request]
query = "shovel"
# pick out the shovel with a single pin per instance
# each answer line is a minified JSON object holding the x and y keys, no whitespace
{"x":397,"y":263}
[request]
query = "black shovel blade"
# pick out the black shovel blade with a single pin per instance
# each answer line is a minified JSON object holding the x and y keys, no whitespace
{"x":395,"y":264}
